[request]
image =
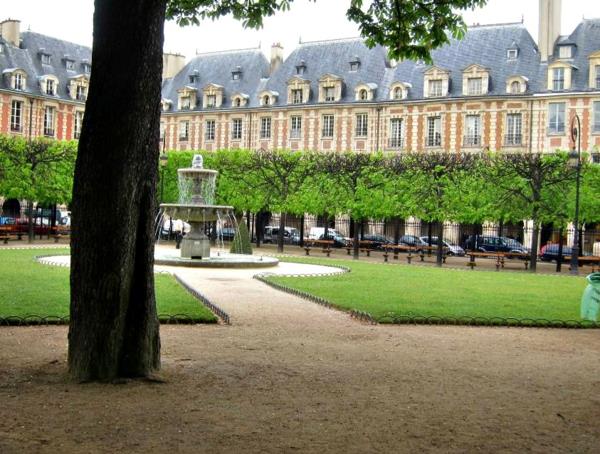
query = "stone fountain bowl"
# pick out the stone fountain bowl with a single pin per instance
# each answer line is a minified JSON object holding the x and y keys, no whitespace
{"x":195,"y":212}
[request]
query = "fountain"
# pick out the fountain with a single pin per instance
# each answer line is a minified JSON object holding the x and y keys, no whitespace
{"x":196,"y":206}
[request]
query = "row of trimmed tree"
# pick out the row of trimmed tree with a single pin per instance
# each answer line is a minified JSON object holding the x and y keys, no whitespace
{"x":434,"y":187}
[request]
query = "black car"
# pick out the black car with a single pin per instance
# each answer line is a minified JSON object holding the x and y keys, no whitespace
{"x":484,"y":243}
{"x":377,"y":241}
{"x":549,"y":253}
{"x":411,"y":240}
{"x":338,"y":240}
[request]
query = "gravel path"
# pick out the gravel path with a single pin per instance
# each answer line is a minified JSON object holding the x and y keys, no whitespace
{"x":292,"y":376}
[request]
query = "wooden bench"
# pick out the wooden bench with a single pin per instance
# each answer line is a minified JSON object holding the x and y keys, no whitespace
{"x":586,"y":260}
{"x":500,"y":258}
{"x":325,"y":246}
{"x":60,"y":232}
{"x":364,"y":246}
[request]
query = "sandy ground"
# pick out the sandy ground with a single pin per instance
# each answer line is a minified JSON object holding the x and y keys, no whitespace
{"x":292,"y":376}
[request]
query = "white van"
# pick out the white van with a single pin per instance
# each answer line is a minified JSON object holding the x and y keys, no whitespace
{"x":316,"y":233}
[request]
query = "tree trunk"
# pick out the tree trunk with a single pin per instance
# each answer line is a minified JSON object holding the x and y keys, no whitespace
{"x":439,"y":260}
{"x":534,"y":244}
{"x":114,"y":330}
{"x":560,"y":251}
{"x":356,"y":240}
{"x":301,"y":243}
{"x":30,"y":236}
{"x":281,"y":233}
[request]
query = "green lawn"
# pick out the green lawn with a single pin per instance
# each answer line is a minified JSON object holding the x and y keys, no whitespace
{"x":388,"y":291}
{"x":30,"y":288}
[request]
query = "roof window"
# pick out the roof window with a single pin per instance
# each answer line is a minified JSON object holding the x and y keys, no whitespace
{"x":194,"y":76}
{"x":301,"y":67}
{"x":354,"y":64}
{"x":236,"y":74}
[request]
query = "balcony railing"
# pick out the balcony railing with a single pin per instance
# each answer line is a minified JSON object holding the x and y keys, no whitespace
{"x":15,"y":128}
{"x":49,"y":132}
{"x":396,"y":143}
{"x":513,"y":140}
{"x":471,"y":141}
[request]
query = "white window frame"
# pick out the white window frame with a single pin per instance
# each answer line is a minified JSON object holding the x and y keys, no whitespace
{"x":211,"y":101}
{"x":265,"y":128}
{"x":297,"y":96}
{"x":362,"y":125}
{"x":436,"y":88}
{"x":328,"y":126}
{"x":49,"y":120}
{"x":78,"y":123}
{"x":565,"y":52}
{"x":514,"y":130}
{"x":16,"y":116}
{"x":472,"y":137}
{"x":80,"y":93}
{"x":558,"y":79}
{"x":515,"y":87}
{"x":184,"y":130}
{"x":209,"y":130}
{"x":596,"y":122}
{"x":236,"y":129}
{"x":295,"y":127}
{"x":512,"y":54}
{"x":329,"y":94}
{"x":70,"y":65}
{"x":556,"y":124}
{"x":475,"y":86}
{"x":597,"y":79}
{"x":50,"y":87}
{"x":45,"y":59}
{"x":396,"y":133}
{"x":18,"y":82}
{"x":434,"y":131}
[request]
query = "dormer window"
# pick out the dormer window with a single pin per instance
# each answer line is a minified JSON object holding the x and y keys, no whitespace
{"x":237,"y":102}
{"x":436,"y":83}
{"x":18,"y":82}
{"x":211,"y":101}
{"x":267,"y":97}
{"x":597,"y":71}
{"x":50,"y":87}
{"x":363,"y":95}
{"x":399,"y":90}
{"x":397,"y":93}
{"x":70,"y":65}
{"x":435,"y":88}
{"x":194,"y":76}
{"x":330,"y":88}
{"x":297,"y":96}
{"x":516,"y":85}
{"x":558,"y":79}
{"x":78,"y":87}
{"x":365,"y":92}
{"x":80,"y":93}
{"x":565,"y":52}
{"x":45,"y":59}
{"x":329,"y":94}
{"x":239,"y":99}
{"x":301,"y":68}
{"x":237,"y":73}
{"x":476,"y":80}
{"x":515,"y":88}
{"x":354,"y":64}
{"x":266,"y":100}
{"x":212,"y":96}
{"x":185,"y":103}
{"x":87,"y":68}
{"x":165,"y":104}
{"x":474,"y":86}
{"x":512,"y":54}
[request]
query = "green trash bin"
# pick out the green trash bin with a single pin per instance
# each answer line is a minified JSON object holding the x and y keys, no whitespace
{"x":590,"y":301}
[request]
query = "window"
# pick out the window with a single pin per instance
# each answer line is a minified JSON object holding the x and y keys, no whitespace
{"x":435,"y":87}
{"x":209,"y":133}
{"x":354,"y":65}
{"x":211,"y":101}
{"x":474,"y":85}
{"x":79,"y":124}
{"x":237,"y":102}
{"x":556,"y":118}
{"x":329,"y":94}
{"x":472,"y":131}
{"x":45,"y":59}
{"x":184,"y":130}
{"x":16,"y":116}
{"x":87,"y":68}
{"x":512,"y":54}
{"x":362,"y":125}
{"x":296,"y":129}
{"x":363,"y":95}
{"x":397,"y":93}
{"x":565,"y":52}
{"x":301,"y":69}
{"x":50,"y":87}
{"x":185,"y":103}
{"x":515,"y":88}
{"x":297,"y":96}
{"x":558,"y":79}
{"x":396,"y":140}
{"x":265,"y":128}
{"x":597,"y":68}
{"x":70,"y":65}
{"x":49,"y":121}
{"x":80,"y":93}
{"x":596,"y":126}
{"x":236,"y":129}
{"x":19,"y":82}
{"x":434,"y":131}
{"x":513,"y":130}
{"x":266,"y":100}
{"x":236,"y":75}
{"x":327,"y":130}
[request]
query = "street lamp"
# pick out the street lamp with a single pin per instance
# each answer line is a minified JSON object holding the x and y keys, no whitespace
{"x":575,"y":161}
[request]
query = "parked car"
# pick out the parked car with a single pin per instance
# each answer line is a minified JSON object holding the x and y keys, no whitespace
{"x":451,"y":249}
{"x":483,"y":243}
{"x":549,"y":252}
{"x":291,"y":235}
{"x":178,"y":227}
{"x":338,"y":240}
{"x":378,"y":241}
{"x":316,"y":232}
{"x":6,"y":220}
{"x":512,"y":243}
{"x":411,"y":240}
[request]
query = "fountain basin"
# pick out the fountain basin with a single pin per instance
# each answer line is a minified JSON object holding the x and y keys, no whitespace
{"x":195,"y":212}
{"x":222,"y":260}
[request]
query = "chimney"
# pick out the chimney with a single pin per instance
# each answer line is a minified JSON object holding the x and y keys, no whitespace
{"x":172,"y":64}
{"x":276,"y":57}
{"x":10,"y":30}
{"x":549,"y":32}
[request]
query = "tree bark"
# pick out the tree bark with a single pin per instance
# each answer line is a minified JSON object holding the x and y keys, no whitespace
{"x":534,"y":245}
{"x":114,"y":330}
{"x":439,"y":259}
{"x":30,"y":232}
{"x":356,"y":240}
{"x":281,"y":233}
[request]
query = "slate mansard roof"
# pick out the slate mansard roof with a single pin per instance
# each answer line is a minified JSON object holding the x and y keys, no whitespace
{"x":216,"y":68}
{"x":27,"y":58}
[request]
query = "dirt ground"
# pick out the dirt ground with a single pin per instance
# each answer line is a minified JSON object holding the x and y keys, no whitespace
{"x":292,"y":376}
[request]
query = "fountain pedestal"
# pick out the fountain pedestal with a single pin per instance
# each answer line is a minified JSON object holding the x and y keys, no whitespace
{"x":195,"y":245}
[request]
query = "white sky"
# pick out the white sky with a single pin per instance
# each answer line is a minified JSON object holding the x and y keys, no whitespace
{"x":71,"y":20}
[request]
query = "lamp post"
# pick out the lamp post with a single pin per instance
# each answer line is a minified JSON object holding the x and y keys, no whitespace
{"x":575,"y":158}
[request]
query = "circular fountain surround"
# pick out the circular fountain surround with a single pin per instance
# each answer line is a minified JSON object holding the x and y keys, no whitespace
{"x":196,"y":206}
